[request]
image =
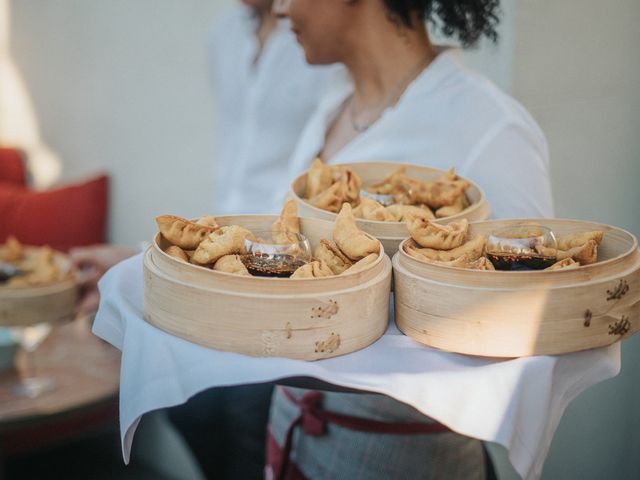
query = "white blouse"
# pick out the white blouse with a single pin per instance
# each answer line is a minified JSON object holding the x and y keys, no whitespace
{"x":449,"y":117}
{"x":261,"y":109}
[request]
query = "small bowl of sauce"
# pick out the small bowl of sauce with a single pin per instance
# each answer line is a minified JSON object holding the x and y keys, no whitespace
{"x":522,"y":247}
{"x":264,"y":258}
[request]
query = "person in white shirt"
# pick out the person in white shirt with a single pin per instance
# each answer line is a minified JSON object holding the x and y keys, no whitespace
{"x":264,"y":93}
{"x":403,"y":100}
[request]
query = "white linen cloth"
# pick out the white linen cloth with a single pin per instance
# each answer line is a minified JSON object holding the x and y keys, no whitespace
{"x":263,"y":100}
{"x":517,"y":403}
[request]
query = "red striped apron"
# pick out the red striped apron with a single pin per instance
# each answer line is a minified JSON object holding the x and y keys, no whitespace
{"x":314,"y":418}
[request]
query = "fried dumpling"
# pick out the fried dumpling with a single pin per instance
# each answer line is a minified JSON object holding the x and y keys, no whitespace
{"x":208,"y":221}
{"x":585,"y":254}
{"x":182,"y":232}
{"x":225,"y":241}
{"x":402,"y":213}
{"x":319,"y":178}
{"x":354,"y":243}
{"x":482,"y":263}
{"x":472,"y":249}
{"x":331,"y":199}
{"x":286,"y":229}
{"x":458,"y":206}
{"x":567,"y":242}
{"x":390,"y":185}
{"x":176,"y":252}
{"x":41,"y":267}
{"x":361,"y":264}
{"x":369,"y":209}
{"x":315,"y":269}
{"x":351,"y":183}
{"x":231,"y":264}
{"x":439,"y":193}
{"x":329,"y":253}
{"x":441,"y":237}
{"x":12,"y":251}
{"x":565,"y":264}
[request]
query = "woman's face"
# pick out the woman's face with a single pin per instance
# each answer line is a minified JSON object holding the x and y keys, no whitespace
{"x":321,"y":26}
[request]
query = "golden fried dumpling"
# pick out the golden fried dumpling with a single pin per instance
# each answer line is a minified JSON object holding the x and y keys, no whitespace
{"x":354,"y":243}
{"x":41,"y":267}
{"x":567,"y":242}
{"x":315,"y":269}
{"x":38,"y":259}
{"x":351,"y":183}
{"x":176,"y":252}
{"x":390,"y":185}
{"x":565,"y":264}
{"x":585,"y":254}
{"x":225,"y":241}
{"x":402,"y":213}
{"x":439,"y":193}
{"x":472,"y":249}
{"x":458,"y":206}
{"x":331,"y":199}
{"x":482,"y":263}
{"x":329,"y":253}
{"x":369,"y":209}
{"x":362,"y":264}
{"x":208,"y":221}
{"x":231,"y":264}
{"x":182,"y":232}
{"x":442,"y":237}
{"x":286,"y":229}
{"x":12,"y":251}
{"x":319,"y":178}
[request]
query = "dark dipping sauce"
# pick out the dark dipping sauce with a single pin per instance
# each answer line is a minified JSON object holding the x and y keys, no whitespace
{"x":509,"y":261}
{"x":266,"y":265}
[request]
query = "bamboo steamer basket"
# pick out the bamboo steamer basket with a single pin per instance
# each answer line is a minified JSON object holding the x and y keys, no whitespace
{"x":55,"y":302}
{"x":307,"y":319}
{"x":391,"y":234}
{"x":521,"y":313}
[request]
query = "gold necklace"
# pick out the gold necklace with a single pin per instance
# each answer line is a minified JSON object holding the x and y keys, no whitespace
{"x":395,"y":91}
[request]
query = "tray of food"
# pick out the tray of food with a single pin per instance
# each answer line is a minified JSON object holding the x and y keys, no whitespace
{"x":384,"y":195}
{"x":265,"y":285}
{"x":510,"y":288}
{"x":37,"y":284}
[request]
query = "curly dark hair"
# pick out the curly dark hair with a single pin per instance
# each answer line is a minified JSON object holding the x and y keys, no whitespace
{"x":468,"y":20}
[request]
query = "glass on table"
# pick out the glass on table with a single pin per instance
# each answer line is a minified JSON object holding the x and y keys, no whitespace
{"x":30,"y":338}
{"x":265,"y":258}
{"x":522,"y":247}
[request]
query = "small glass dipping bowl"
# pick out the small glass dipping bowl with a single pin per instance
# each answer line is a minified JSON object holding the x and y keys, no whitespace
{"x":264,"y":258}
{"x":386,"y":199}
{"x":522,"y":247}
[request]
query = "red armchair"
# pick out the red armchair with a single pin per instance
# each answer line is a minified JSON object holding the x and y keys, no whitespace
{"x":65,"y":217}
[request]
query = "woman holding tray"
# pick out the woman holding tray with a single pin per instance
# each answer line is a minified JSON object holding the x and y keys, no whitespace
{"x":409,"y":101}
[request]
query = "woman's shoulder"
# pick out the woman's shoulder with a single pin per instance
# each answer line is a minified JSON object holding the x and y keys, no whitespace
{"x":474,"y":99}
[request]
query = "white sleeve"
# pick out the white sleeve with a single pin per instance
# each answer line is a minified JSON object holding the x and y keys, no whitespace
{"x":511,"y":165}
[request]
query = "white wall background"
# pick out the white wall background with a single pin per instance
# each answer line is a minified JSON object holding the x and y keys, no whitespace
{"x":120,"y":85}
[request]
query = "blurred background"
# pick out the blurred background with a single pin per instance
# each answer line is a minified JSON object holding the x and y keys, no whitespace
{"x":121,"y":86}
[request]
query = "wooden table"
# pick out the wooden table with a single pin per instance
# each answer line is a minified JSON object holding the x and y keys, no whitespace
{"x":86,"y":371}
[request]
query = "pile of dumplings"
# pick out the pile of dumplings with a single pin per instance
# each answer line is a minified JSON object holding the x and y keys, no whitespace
{"x":329,"y":187}
{"x":39,"y":264}
{"x":207,"y":244}
{"x":449,"y":245}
